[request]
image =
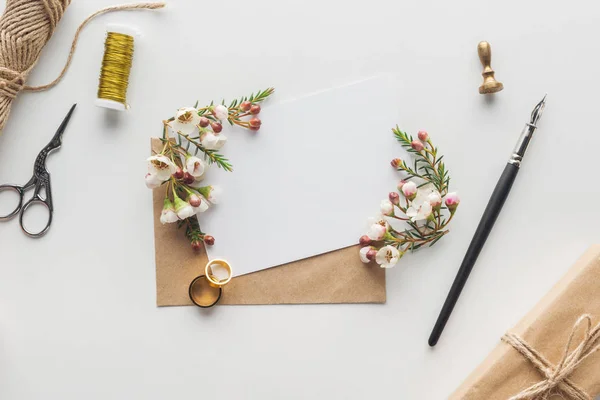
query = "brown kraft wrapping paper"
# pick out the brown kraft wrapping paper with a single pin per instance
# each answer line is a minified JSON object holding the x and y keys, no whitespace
{"x":335,"y":277}
{"x":505,"y":372}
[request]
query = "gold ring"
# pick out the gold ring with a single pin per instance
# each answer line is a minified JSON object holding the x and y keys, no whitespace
{"x":210,"y":276}
{"x":203,"y":294}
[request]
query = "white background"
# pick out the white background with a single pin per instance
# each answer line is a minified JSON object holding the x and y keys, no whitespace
{"x":77,"y":314}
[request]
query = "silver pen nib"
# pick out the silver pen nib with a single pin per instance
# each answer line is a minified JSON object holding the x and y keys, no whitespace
{"x":537,"y":112}
{"x":527,"y":133}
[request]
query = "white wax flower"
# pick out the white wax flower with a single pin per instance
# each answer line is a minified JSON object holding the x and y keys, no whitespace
{"x":183,"y":208}
{"x":387,"y":256}
{"x":434,"y":198}
{"x":152,"y":181}
{"x":161,"y":167}
{"x":211,"y":141}
{"x":377,"y":227}
{"x":186,"y":121}
{"x":195,"y":166}
{"x":378,"y":219}
{"x":363,"y":254}
{"x":419,"y":212}
{"x":214,"y":194}
{"x":421,"y":207}
{"x":221,"y":112}
{"x":376,"y":232}
{"x":409,"y":189}
{"x":168,"y":217}
{"x":211,"y":193}
{"x":202,"y":207}
{"x":387,"y":208}
{"x":168,"y":214}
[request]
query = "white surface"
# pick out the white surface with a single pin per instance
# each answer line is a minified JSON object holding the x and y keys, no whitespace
{"x":77,"y":314}
{"x":300,"y":171}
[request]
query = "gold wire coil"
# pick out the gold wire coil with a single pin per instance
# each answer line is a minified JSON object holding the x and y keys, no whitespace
{"x":116,"y":66}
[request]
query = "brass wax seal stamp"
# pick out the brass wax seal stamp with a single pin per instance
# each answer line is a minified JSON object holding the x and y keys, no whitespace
{"x":490,"y":84}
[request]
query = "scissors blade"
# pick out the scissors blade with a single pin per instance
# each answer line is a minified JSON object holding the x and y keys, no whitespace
{"x":57,"y":139}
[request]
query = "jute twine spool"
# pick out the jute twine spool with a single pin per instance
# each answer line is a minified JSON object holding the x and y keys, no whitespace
{"x":25,"y":28}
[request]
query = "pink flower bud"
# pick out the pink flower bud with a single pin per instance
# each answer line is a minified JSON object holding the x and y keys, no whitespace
{"x":394,"y":198}
{"x":400,"y":184}
{"x":452,"y":200}
{"x":245,"y":106}
{"x":209,"y":240}
{"x":434,"y":199}
{"x":409,"y":190}
{"x":423,"y":135}
{"x":367,"y":254}
{"x":364,"y":240}
{"x":396,"y":162}
{"x":178,"y":173}
{"x":220,"y":112}
{"x":387,"y":208}
{"x":188,"y":179}
{"x":204,"y":122}
{"x":255,"y":123}
{"x":194,"y":200}
{"x":255,"y":109}
{"x":371,"y":254}
{"x":216,"y":127}
{"x":196,"y":245}
{"x":417,"y":145}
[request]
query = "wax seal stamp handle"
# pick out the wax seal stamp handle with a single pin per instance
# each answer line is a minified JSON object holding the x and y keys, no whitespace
{"x":490,"y":84}
{"x":485,"y":55}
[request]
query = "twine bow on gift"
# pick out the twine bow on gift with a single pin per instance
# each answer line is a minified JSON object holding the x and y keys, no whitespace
{"x":557,"y":377}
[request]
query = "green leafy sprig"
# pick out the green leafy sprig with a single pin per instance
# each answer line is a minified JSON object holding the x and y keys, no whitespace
{"x":427,"y":165}
{"x":178,"y":147}
{"x":419,"y":203}
{"x":235,"y":115}
{"x":259,"y":97}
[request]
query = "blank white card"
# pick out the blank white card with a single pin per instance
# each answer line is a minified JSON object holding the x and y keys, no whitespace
{"x":306,"y":183}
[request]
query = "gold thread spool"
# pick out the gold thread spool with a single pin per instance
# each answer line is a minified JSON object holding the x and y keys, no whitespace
{"x":116,"y":68}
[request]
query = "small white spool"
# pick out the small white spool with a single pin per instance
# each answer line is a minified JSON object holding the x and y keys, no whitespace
{"x":124,"y":30}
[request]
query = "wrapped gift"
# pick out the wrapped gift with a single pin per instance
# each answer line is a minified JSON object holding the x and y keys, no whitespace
{"x":553,"y":352}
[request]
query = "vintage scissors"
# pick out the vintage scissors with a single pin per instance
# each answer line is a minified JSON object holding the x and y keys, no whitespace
{"x":40,"y":181}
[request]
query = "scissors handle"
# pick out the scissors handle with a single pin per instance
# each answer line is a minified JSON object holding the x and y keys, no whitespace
{"x":20,"y":191}
{"x":42,"y":182}
{"x":32,"y":201}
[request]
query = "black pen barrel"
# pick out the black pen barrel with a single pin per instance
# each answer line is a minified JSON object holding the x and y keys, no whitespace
{"x":481,"y":234}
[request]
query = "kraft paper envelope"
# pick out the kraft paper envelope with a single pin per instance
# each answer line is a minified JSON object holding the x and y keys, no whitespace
{"x":335,"y":277}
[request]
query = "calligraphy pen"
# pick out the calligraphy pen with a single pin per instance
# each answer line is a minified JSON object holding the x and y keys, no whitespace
{"x":487,"y":221}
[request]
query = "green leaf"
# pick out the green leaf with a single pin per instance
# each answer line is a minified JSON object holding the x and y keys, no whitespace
{"x":436,"y":240}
